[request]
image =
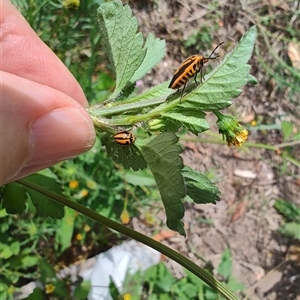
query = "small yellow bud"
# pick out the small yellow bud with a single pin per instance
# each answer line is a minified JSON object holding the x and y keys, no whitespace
{"x":71,"y":3}
{"x":125,"y":219}
{"x":73,"y":184}
{"x":127,"y":296}
{"x":49,"y":288}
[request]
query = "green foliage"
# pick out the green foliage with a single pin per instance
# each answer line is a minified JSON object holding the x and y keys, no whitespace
{"x":226,"y":87}
{"x":104,"y":196}
{"x":279,"y":68}
{"x":45,"y":205}
{"x":157,"y":282}
{"x":191,"y":119}
{"x":124,"y":48}
{"x":14,"y":197}
{"x":16,"y":254}
{"x":196,"y":182}
{"x":292,"y":214}
{"x":129,"y":156}
{"x":65,"y":231}
{"x":56,"y":287}
{"x":162,"y":156}
{"x":287,"y":129}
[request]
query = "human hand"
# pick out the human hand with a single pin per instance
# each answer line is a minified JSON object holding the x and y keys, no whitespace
{"x":43,"y":119}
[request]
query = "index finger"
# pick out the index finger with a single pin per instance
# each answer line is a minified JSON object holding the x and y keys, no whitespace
{"x":24,"y":54}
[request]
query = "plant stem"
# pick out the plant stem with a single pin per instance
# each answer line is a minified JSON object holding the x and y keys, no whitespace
{"x":185,"y":262}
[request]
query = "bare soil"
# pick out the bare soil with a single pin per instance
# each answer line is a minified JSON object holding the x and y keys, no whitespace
{"x":250,"y":179}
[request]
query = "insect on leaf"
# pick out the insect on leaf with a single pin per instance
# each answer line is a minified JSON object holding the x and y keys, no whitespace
{"x":225,"y":81}
{"x":128,"y":155}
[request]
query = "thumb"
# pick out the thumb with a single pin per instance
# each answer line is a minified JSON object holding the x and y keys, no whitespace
{"x":40,"y":126}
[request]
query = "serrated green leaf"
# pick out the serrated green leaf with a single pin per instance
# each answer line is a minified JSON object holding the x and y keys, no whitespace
{"x":128,"y":155}
{"x":14,"y":198}
{"x":289,"y":210}
{"x":65,"y":232}
{"x":47,"y":272}
{"x":251,"y":79}
{"x":82,"y":291}
{"x":122,"y":42}
{"x":193,"y":120}
{"x":44,"y":204}
{"x":163,"y":125}
{"x":225,"y":266}
{"x":128,"y":90}
{"x":37,"y":294}
{"x":5,"y":252}
{"x":155,"y":52}
{"x":291,"y":229}
{"x":15,"y":248}
{"x":235,"y":285}
{"x":297,"y":137}
{"x":162,"y":154}
{"x":198,"y":187}
{"x":225,"y":81}
{"x":3,"y":287}
{"x":139,"y":178}
{"x":287,"y":129}
{"x":158,"y":91}
{"x":29,"y":261}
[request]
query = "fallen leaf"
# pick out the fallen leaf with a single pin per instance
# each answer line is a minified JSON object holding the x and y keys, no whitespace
{"x":247,"y":118}
{"x":163,"y":235}
{"x":239,"y":211}
{"x":280,"y":4}
{"x":294,"y":54}
{"x":294,"y":254}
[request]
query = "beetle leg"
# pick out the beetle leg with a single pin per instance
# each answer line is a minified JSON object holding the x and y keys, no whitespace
{"x":182,"y":92}
{"x":201,"y":75}
{"x":195,"y":79}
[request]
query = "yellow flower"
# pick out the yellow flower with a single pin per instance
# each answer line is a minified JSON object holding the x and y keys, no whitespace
{"x":127,"y":296}
{"x":73,"y":184}
{"x":83,"y":193}
{"x":50,"y":288}
{"x":239,"y":138}
{"x":253,"y":123}
{"x":149,"y":218}
{"x":86,"y":228}
{"x":91,"y":184}
{"x":78,"y":237}
{"x":231,"y":130}
{"x":71,"y":3}
{"x":125,"y":219}
{"x":10,"y":290}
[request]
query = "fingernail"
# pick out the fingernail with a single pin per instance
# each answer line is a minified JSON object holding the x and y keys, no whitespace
{"x":60,"y":134}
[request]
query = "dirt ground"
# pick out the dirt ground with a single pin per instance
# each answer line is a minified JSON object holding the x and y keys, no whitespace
{"x":249,"y":178}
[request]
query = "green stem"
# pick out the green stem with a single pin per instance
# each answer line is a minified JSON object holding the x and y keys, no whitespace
{"x":97,"y":112}
{"x":121,"y":107}
{"x":218,"y":114}
{"x":217,"y":140}
{"x":185,"y":262}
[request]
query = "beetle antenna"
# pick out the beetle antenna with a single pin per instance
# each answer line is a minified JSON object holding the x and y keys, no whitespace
{"x":214,"y":52}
